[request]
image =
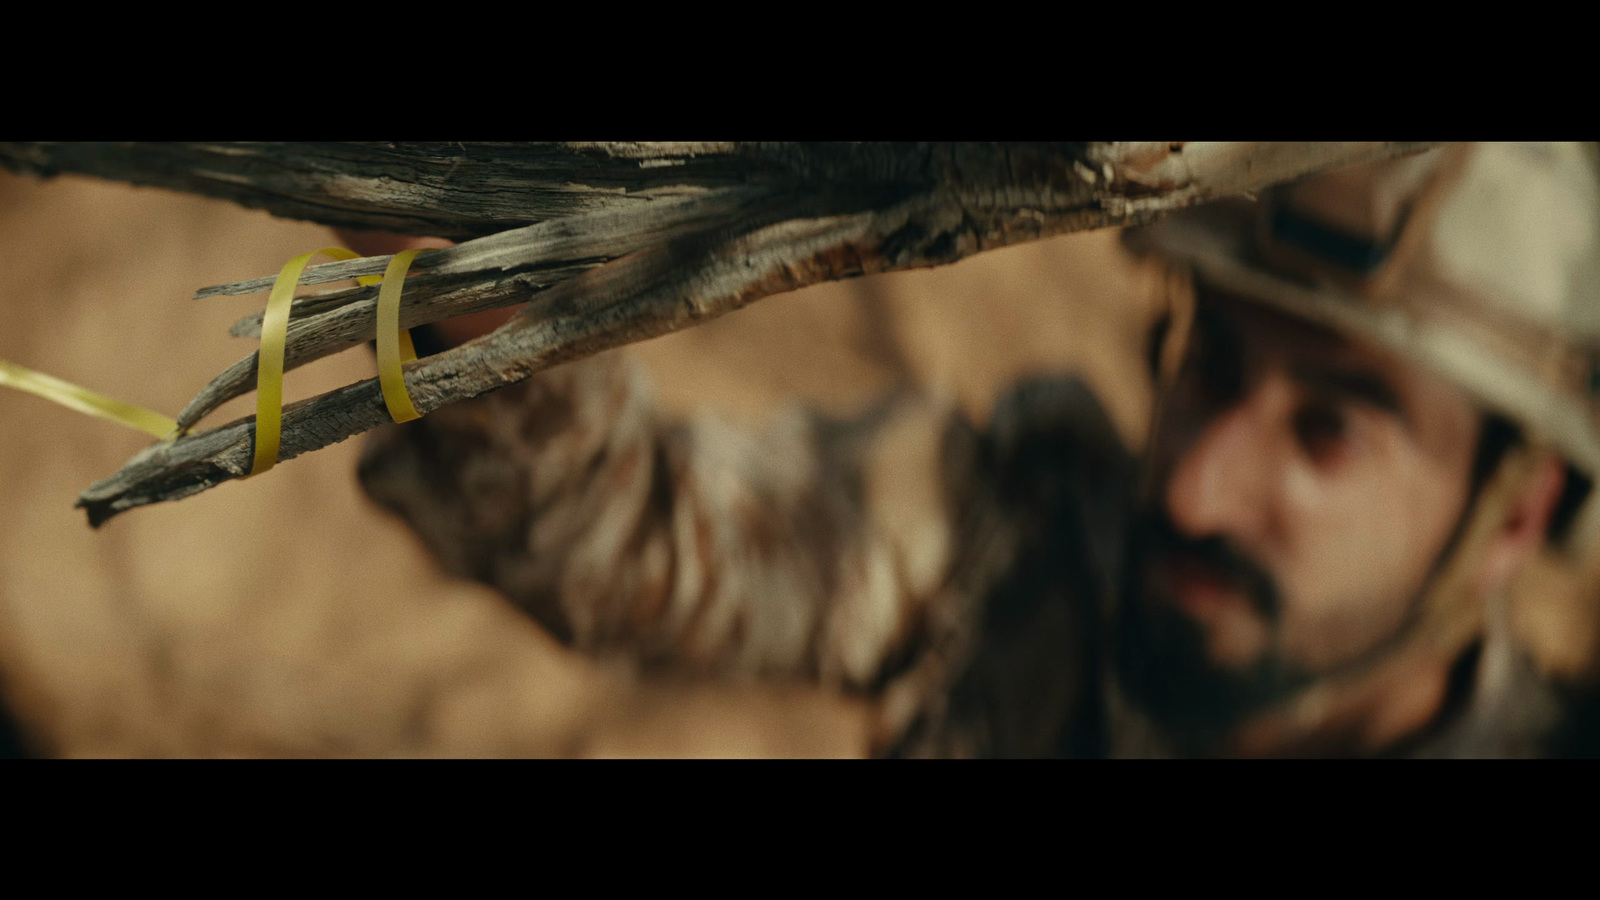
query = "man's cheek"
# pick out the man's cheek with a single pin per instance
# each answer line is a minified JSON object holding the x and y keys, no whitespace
{"x":1321,"y":635}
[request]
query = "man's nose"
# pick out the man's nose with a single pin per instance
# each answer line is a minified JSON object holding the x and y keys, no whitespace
{"x":1223,"y":483}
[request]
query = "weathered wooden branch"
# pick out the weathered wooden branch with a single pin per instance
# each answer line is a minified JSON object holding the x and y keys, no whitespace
{"x":500,"y":270}
{"x":454,"y":190}
{"x":616,"y":243}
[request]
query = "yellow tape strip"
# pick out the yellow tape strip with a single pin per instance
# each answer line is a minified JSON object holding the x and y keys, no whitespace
{"x":390,"y":338}
{"x":408,"y":352}
{"x":394,"y":348}
{"x":269,"y":361}
{"x":274,"y":338}
{"x":86,"y":401}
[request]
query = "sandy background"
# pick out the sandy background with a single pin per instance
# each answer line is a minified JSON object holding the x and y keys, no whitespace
{"x":287,"y":616}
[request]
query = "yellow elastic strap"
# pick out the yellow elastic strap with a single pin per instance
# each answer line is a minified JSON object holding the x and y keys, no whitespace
{"x":269,"y":361}
{"x":394,"y":345}
{"x":408,"y":351}
{"x":274,"y":338}
{"x":86,"y":401}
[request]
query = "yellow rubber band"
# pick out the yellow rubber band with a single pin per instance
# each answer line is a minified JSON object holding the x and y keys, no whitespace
{"x":274,"y":338}
{"x":86,"y":401}
{"x":269,"y":361}
{"x":391,"y":353}
{"x":394,"y":348}
{"x":408,"y":351}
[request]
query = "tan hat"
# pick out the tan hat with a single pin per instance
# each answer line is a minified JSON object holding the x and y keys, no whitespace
{"x":1481,"y":261}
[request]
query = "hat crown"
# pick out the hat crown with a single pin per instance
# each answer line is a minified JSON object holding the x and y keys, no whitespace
{"x":1513,"y":228}
{"x":1366,"y":201}
{"x":1522,"y":230}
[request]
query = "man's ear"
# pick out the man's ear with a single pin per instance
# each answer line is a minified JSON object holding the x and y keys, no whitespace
{"x":1527,"y":519}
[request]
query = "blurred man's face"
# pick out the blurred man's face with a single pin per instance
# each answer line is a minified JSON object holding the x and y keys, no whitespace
{"x":1305,"y":486}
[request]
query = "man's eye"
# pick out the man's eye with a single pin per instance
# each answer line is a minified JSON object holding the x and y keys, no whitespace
{"x":1323,"y":429}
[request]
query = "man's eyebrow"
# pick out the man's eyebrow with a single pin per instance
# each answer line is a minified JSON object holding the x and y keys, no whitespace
{"x":1362,"y":386}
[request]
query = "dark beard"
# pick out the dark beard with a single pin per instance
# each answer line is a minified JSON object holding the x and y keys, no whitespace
{"x":1161,"y":654}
